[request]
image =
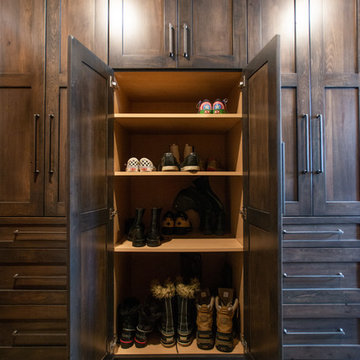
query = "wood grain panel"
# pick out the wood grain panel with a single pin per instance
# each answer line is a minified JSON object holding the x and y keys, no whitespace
{"x":342,"y":145}
{"x":34,"y":353}
{"x":259,"y":188}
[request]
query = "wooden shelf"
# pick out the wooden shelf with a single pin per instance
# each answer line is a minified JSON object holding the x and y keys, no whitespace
{"x":177,"y":123}
{"x":179,"y":173}
{"x":191,"y":244}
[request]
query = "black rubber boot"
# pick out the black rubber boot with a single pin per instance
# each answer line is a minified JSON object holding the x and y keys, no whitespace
{"x":153,"y":238}
{"x":136,"y":232}
{"x":127,"y":321}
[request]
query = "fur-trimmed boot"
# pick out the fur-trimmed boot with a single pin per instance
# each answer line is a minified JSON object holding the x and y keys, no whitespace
{"x":225,"y":310}
{"x":127,"y":321}
{"x":186,"y":310}
{"x":204,"y":320}
{"x":136,"y":233}
{"x":165,"y":294}
{"x":149,"y":313}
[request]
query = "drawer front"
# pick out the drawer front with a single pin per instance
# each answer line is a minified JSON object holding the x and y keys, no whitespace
{"x":321,"y":331}
{"x":33,"y":353}
{"x":321,"y":235}
{"x":321,"y":352}
{"x":316,"y":311}
{"x":319,"y":274}
{"x":321,"y":296}
{"x":33,"y":256}
{"x":33,"y":297}
{"x":34,"y":333}
{"x":33,"y":312}
{"x":32,"y":236}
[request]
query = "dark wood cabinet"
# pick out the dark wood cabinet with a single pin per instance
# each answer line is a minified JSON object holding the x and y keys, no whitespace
{"x":171,"y":33}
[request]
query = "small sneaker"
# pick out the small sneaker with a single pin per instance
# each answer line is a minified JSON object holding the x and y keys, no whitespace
{"x":191,"y":163}
{"x":182,"y":224}
{"x":133,"y":165}
{"x":204,"y":106}
{"x":219,"y":106}
{"x":168,"y":223}
{"x":169,"y":163}
{"x":146,"y":165}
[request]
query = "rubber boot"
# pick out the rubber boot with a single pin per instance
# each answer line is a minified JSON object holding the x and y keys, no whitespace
{"x":204,"y":320}
{"x":165,"y":294}
{"x":153,"y":238}
{"x":136,"y":232}
{"x":186,"y":310}
{"x":127,"y":321}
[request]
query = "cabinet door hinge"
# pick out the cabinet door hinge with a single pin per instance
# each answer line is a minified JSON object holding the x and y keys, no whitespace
{"x":113,"y":83}
{"x":112,"y":213}
{"x":242,"y":83}
{"x":243,"y":213}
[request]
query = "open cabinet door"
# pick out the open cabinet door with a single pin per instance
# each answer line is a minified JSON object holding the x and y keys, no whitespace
{"x":89,"y":224}
{"x":262,"y":203}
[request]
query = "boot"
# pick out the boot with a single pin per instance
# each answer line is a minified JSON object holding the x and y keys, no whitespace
{"x":153,"y":238}
{"x":204,"y":320}
{"x":186,"y":310}
{"x":149,"y":313}
{"x":127,"y":321}
{"x":165,"y":294}
{"x":136,"y":232}
{"x":174,"y":149}
{"x":225,"y":310}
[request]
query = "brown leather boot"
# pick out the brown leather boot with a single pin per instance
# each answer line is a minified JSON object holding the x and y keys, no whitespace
{"x":225,"y":310}
{"x":204,"y":320}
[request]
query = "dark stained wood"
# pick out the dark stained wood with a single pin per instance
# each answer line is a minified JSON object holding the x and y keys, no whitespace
{"x":262,"y":228}
{"x":321,"y":311}
{"x":320,"y":296}
{"x":33,"y":256}
{"x":34,"y":353}
{"x":21,"y":190}
{"x":89,"y":102}
{"x":32,"y":297}
{"x":321,"y":254}
{"x":321,"y":352}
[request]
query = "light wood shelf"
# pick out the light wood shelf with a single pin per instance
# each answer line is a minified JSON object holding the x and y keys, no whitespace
{"x":150,"y":123}
{"x":179,"y":173}
{"x":191,"y":244}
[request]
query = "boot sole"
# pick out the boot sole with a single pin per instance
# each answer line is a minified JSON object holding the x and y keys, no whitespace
{"x":191,"y":168}
{"x":139,"y":243}
{"x":170,"y":168}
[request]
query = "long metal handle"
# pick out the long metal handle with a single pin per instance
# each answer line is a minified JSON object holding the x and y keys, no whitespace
{"x":44,"y":277}
{"x":321,"y":127}
{"x":51,"y":120}
{"x":307,"y":144}
{"x":20,"y":232}
{"x":186,"y":50}
{"x":171,"y":41}
{"x":36,"y":118}
{"x":314,"y":232}
{"x":338,"y":275}
{"x":339,"y":331}
{"x":283,"y":176}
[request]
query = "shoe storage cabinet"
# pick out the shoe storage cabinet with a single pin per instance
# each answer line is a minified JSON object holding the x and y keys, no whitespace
{"x":152,"y":111}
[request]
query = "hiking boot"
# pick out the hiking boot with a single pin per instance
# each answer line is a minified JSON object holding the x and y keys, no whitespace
{"x":153,"y":238}
{"x":225,"y":310}
{"x":127,"y":321}
{"x":190,"y":163}
{"x":165,"y":294}
{"x":169,"y":163}
{"x":204,"y":320}
{"x":182,"y":224}
{"x":168,"y":223}
{"x":136,"y":232}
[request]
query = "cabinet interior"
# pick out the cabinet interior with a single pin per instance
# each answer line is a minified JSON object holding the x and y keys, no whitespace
{"x":151,"y":111}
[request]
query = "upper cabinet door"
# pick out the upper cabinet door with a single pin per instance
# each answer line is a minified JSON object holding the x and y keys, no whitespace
{"x":212,"y":34}
{"x":22,"y":64}
{"x":262,"y":200}
{"x":89,"y":168}
{"x":335,"y":106}
{"x":142,"y":33}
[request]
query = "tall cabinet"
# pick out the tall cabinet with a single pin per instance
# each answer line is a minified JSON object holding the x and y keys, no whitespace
{"x":320,"y":123}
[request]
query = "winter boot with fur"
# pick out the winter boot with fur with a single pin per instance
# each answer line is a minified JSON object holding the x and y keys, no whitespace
{"x":204,"y":320}
{"x":149,"y":313}
{"x":225,"y":310}
{"x":153,"y":238}
{"x":186,"y":310}
{"x":136,"y":232}
{"x":127,"y":321}
{"x":165,"y":294}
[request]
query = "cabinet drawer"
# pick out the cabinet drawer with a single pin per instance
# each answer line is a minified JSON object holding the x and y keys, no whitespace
{"x":321,"y":255}
{"x":44,"y":277}
{"x":33,"y":353}
{"x":33,"y":297}
{"x":321,"y":296}
{"x":33,"y":256}
{"x":321,"y":352}
{"x":316,"y":311}
{"x":33,"y":312}
{"x":27,"y":236}
{"x":34,"y":333}
{"x":321,"y":331}
{"x":319,"y":275}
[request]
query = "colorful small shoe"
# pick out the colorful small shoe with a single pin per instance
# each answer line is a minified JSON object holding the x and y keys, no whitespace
{"x":168,"y":223}
{"x":146,"y":165}
{"x":182,"y":224}
{"x":133,"y":165}
{"x":204,"y":106}
{"x":219,"y":106}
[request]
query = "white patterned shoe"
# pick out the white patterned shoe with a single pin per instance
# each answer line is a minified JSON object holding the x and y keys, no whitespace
{"x":133,"y":165}
{"x":146,"y":165}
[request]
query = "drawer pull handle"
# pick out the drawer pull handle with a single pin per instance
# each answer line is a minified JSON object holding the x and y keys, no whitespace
{"x":186,"y":34}
{"x":27,"y":333}
{"x":59,"y":277}
{"x":20,"y":232}
{"x":171,"y":41}
{"x":338,"y":275}
{"x":314,"y":232}
{"x":339,"y":331}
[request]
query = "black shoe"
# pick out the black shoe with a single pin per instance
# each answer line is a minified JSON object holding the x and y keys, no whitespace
{"x":136,"y":233}
{"x":169,"y":163}
{"x":153,"y":238}
{"x":127,"y":321}
{"x":190,"y":163}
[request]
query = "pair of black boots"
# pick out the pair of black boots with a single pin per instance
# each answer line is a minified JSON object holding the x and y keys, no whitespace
{"x":136,"y":233}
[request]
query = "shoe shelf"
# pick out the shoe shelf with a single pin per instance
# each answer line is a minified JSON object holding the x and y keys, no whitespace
{"x":189,"y":244}
{"x":179,"y":173}
{"x":181,"y":123}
